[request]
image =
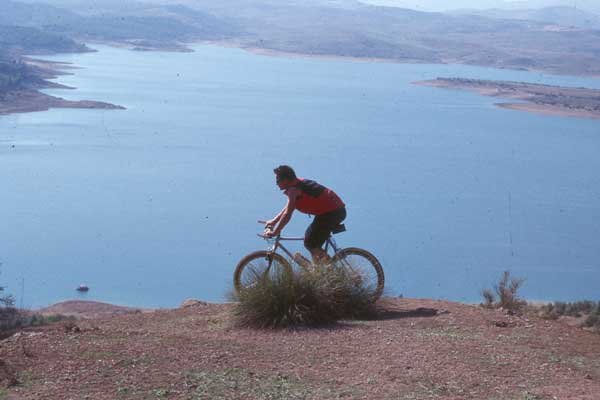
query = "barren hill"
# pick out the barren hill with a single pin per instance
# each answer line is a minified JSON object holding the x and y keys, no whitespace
{"x":417,"y":349}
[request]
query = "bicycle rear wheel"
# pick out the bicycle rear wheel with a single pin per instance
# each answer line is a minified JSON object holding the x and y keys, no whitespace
{"x":258,"y":265}
{"x":365,"y":266}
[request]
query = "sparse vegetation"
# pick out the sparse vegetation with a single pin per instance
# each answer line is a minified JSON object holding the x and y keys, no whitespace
{"x":586,"y":308}
{"x":12,"y":318}
{"x":321,"y":295}
{"x":505,"y":293}
{"x":575,"y":309}
{"x":593,"y":319}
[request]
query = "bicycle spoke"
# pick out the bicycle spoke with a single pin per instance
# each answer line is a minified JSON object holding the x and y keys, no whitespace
{"x":259,"y":269}
{"x":362,"y":269}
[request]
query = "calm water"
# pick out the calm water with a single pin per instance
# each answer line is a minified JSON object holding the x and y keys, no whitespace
{"x":156,"y":204}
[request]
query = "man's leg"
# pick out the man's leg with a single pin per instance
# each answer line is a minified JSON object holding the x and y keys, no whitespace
{"x":316,"y":234}
{"x":321,"y":229}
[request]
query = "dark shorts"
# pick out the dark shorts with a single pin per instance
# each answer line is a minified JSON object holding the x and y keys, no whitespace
{"x":321,"y":227}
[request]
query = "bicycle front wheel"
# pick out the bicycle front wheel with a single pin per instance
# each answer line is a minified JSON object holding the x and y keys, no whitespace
{"x":365,"y":266}
{"x":259,"y":265}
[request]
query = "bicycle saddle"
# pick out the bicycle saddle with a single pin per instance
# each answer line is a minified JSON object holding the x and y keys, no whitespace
{"x":339,"y":229}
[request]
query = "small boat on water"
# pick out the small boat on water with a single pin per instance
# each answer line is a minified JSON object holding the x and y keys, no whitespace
{"x":83,"y":288}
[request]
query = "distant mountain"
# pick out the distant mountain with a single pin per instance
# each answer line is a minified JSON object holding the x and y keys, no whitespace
{"x":135,"y":22}
{"x":560,"y":15}
{"x":586,"y":5}
{"x":407,"y":35}
{"x":450,"y":5}
{"x":325,"y":28}
{"x":438,"y":5}
{"x":91,"y":7}
{"x":22,"y":14}
{"x":20,"y":39}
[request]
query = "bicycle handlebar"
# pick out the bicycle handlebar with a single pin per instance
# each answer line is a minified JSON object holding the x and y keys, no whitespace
{"x":262,"y":235}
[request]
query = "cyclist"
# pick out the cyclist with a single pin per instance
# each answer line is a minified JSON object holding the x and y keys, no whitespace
{"x":308,"y":197}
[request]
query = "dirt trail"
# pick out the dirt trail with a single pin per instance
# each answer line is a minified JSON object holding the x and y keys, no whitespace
{"x":418,"y":349}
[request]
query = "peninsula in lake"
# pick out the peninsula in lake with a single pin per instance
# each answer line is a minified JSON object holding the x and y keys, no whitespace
{"x":21,"y":79}
{"x":316,"y":28}
{"x":542,"y":99}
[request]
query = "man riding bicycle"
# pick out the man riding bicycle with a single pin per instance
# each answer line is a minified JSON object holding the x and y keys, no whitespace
{"x":308,"y":197}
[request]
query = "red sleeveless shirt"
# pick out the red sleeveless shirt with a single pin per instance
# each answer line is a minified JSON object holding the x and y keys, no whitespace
{"x":316,"y":199}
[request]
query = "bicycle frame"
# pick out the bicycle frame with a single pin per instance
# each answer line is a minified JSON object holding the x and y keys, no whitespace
{"x":278,"y":245}
{"x":342,"y":258}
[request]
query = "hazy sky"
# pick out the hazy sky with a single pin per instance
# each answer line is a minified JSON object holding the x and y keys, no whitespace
{"x":441,"y":5}
{"x":423,"y":5}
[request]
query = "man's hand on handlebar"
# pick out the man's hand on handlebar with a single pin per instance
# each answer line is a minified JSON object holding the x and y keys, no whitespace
{"x":269,"y":233}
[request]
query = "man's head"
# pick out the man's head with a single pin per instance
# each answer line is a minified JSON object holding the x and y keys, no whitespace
{"x":284,"y":176}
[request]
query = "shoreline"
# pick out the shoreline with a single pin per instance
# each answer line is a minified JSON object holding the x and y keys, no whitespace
{"x":539,"y":99}
{"x":31,"y":99}
{"x":548,"y":110}
{"x":53,"y":69}
{"x":261,"y":51}
{"x":332,"y":57}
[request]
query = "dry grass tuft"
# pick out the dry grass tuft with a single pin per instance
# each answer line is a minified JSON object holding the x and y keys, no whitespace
{"x":318,"y":296}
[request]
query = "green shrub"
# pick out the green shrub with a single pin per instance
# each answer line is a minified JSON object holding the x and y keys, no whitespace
{"x":317,"y":296}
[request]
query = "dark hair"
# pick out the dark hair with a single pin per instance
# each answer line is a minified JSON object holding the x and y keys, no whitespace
{"x":285,"y":172}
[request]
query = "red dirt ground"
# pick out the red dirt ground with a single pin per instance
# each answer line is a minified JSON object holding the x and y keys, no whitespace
{"x":417,"y":349}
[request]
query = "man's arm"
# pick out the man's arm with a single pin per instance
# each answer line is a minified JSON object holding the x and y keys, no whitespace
{"x":271,"y":223}
{"x":287,"y":212}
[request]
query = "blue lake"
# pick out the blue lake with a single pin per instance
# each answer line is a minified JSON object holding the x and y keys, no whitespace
{"x":156,"y":204}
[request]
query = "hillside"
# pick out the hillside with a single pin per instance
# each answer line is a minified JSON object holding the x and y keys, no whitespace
{"x":417,"y":349}
{"x":159,"y":28}
{"x":444,"y":5}
{"x":559,"y":15}
{"x":344,"y":28}
{"x":13,"y":73}
{"x":20,"y":39}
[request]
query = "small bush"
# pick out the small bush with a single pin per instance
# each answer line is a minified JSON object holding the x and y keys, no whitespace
{"x":321,"y":295}
{"x":575,"y":309}
{"x":488,"y":298}
{"x":593,"y":319}
{"x":505,"y":293}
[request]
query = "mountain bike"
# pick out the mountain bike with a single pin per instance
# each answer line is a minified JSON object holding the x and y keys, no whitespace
{"x":359,"y":262}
